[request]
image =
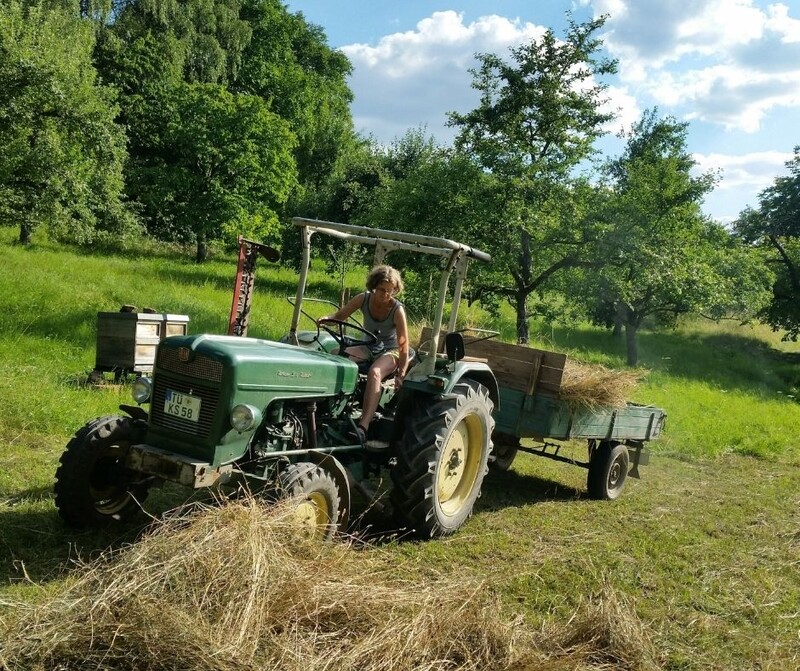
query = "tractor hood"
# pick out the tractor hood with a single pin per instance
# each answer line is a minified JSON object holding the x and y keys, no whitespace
{"x":265,"y":365}
{"x":199,"y":379}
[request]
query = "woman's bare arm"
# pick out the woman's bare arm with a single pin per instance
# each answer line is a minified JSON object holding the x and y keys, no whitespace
{"x":347,"y":309}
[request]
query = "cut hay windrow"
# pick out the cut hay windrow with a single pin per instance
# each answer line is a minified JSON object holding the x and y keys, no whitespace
{"x":236,"y":586}
{"x":594,"y":386}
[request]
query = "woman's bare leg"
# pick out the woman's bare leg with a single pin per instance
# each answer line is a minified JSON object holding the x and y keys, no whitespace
{"x":383,"y":366}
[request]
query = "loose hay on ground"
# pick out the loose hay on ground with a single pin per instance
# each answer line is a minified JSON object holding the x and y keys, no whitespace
{"x":604,"y":634}
{"x":236,"y":587}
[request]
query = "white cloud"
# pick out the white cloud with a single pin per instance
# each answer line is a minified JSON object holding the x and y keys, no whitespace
{"x":624,"y":106}
{"x":780,"y":22}
{"x":656,"y":32}
{"x":723,"y":61}
{"x":729,"y":96}
{"x":717,"y":26}
{"x":743,"y":177}
{"x":441,"y":38}
{"x":415,"y":77}
{"x":750,"y":172}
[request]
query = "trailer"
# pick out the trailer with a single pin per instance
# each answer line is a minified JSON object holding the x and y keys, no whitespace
{"x":530,"y":408}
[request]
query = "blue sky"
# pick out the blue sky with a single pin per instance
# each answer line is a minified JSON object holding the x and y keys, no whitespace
{"x":729,"y":67}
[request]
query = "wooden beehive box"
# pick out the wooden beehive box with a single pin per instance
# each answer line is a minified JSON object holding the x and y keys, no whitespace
{"x":127,"y":341}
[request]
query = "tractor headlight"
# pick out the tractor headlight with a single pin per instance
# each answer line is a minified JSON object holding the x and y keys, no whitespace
{"x":244,"y":417}
{"x":142,"y":389}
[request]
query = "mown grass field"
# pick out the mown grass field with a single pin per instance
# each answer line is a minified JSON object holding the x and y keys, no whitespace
{"x":705,"y":547}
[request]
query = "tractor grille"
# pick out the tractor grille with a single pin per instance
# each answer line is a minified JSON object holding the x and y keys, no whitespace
{"x":201,"y":367}
{"x":209,"y":399}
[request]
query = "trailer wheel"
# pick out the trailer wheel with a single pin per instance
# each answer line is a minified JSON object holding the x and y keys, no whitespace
{"x":504,"y":452}
{"x":93,"y":486}
{"x":316,"y":498}
{"x":608,"y":470}
{"x":442,"y":460}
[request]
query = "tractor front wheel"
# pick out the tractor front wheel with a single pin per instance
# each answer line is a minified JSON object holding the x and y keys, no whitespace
{"x":93,"y":485}
{"x":442,"y":460}
{"x":315,"y":496}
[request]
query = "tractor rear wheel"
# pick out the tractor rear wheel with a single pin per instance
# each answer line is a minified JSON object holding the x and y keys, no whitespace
{"x":93,"y":486}
{"x":442,"y":460}
{"x":315,"y":497}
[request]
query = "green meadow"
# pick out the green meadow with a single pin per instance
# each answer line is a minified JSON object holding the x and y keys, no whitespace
{"x":705,"y":548}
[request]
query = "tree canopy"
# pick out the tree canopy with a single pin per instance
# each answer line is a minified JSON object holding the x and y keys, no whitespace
{"x":665,"y":258}
{"x":289,"y":64}
{"x":224,"y":165}
{"x":538,"y":117}
{"x":63,"y":154}
{"x":157,"y":51}
{"x":774,"y":227}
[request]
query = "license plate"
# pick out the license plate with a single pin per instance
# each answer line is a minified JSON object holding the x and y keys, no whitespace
{"x":182,"y":405}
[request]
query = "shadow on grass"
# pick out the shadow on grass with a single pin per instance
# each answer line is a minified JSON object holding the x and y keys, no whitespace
{"x":500,"y":490}
{"x":37,"y":546}
{"x":504,"y":489}
{"x":724,"y":360}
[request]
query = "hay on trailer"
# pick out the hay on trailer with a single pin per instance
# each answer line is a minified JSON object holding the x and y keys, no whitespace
{"x":594,"y":386}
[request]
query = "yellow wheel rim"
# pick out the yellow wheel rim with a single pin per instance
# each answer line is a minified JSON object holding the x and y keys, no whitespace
{"x":459,"y":465}
{"x":312,"y":515}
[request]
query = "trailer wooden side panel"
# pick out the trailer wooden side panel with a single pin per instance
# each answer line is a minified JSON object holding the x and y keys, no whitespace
{"x":517,"y":367}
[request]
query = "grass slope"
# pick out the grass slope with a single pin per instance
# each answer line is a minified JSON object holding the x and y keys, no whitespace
{"x":706,"y":547}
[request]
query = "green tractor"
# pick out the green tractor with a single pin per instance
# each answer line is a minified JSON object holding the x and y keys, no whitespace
{"x":276,"y":417}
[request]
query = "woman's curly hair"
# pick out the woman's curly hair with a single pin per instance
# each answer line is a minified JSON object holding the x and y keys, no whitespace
{"x":380,"y":274}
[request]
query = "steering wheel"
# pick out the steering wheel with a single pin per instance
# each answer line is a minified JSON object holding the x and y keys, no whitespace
{"x":341,"y":338}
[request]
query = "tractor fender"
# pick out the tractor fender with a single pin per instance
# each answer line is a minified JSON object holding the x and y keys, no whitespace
{"x":445,"y":381}
{"x":337,"y":471}
{"x":480,"y":372}
{"x":136,"y":412}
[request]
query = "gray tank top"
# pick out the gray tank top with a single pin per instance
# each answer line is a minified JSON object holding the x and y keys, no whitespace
{"x":384,"y":329}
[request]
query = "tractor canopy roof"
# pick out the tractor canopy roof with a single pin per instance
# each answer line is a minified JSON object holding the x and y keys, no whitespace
{"x":456,"y":254}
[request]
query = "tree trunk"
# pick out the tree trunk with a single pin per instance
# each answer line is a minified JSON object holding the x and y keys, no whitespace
{"x":525,"y":269}
{"x":631,"y":327}
{"x":523,"y":330}
{"x":620,"y":310}
{"x":25,"y":231}
{"x":202,"y":248}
